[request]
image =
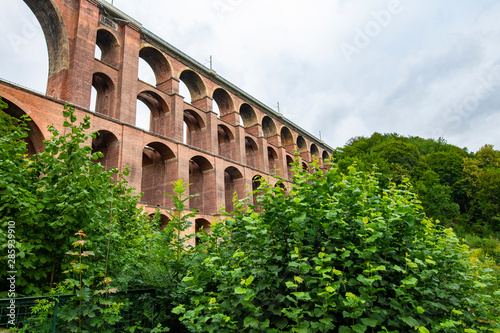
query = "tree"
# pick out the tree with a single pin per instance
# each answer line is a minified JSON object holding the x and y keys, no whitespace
{"x":52,"y":195}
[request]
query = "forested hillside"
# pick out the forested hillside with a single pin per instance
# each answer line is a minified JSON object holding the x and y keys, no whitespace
{"x":457,"y":187}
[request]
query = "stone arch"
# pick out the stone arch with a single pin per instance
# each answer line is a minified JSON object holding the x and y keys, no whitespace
{"x":107,"y":143}
{"x":104,"y":88}
{"x":194,"y":134}
{"x":202,"y":180}
{"x":158,"y":63}
{"x":301,"y":144}
{"x":289,"y":166}
{"x":158,"y":171}
{"x":268,"y":127}
{"x":225,"y":139}
{"x":314,"y":151}
{"x":325,"y":155}
{"x":256,"y":181}
{"x":56,"y":37}
{"x":194,"y":83}
{"x":162,"y":222}
{"x":202,"y":225}
{"x":233,"y":182}
{"x":248,"y":115}
{"x":286,"y":136}
{"x":34,"y":141}
{"x":108,"y":44}
{"x":224,"y":101}
{"x":272,"y":158}
{"x":158,"y":109}
{"x":305,"y":167}
{"x":251,"y":151}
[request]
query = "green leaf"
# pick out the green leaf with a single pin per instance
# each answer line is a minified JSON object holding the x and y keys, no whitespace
{"x":409,"y":281}
{"x":410,"y":321}
{"x":240,"y":290}
{"x":369,"y":322}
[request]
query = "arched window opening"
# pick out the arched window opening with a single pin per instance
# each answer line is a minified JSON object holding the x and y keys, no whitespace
{"x":202,"y":180}
{"x":107,"y":48}
{"x":268,"y":127}
{"x":326,"y":156}
{"x":106,"y":143}
{"x":256,"y":181}
{"x":34,"y":141}
{"x":272,"y":157}
{"x":301,"y":144}
{"x":195,"y":85}
{"x":223,"y":102}
{"x":225,"y":139}
{"x":289,"y":166}
{"x":202,"y":225}
{"x":157,"y":174}
{"x":286,"y":136}
{"x":233,"y":183}
{"x":305,"y":167}
{"x":146,"y":73}
{"x":248,"y":116}
{"x":184,"y":92}
{"x":151,"y":117}
{"x":142,"y":115}
{"x":103,"y":95}
{"x":153,"y":66}
{"x":162,"y":221}
{"x":30,"y":51}
{"x":251,"y":151}
{"x":193,"y":125}
{"x":314,"y":151}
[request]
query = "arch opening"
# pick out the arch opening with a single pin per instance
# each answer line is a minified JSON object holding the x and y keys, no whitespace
{"x":34,"y":141}
{"x":233,"y":183}
{"x":251,"y":151}
{"x":268,"y":127}
{"x":202,"y":180}
{"x":153,"y":66}
{"x":301,"y":144}
{"x":193,"y":129}
{"x":225,"y":139}
{"x":103,"y":95}
{"x":150,"y":114}
{"x":107,"y":48}
{"x":314,"y":151}
{"x":201,"y":225}
{"x":223,"y":101}
{"x":286,"y":136}
{"x":158,"y":171}
{"x":108,"y":144}
{"x":272,"y":158}
{"x":194,"y":84}
{"x":248,"y":116}
{"x":289,"y":166}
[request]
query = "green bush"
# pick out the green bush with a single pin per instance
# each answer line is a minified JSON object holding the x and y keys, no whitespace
{"x":336,"y":253}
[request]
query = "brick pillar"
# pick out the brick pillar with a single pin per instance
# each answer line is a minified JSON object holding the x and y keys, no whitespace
{"x":131,"y":152}
{"x":212,"y":140}
{"x":82,"y":50}
{"x":129,"y":69}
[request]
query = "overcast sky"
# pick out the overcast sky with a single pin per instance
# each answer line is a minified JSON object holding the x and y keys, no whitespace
{"x":343,"y":68}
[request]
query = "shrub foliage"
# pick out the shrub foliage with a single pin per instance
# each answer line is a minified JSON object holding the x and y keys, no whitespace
{"x":335,"y":253}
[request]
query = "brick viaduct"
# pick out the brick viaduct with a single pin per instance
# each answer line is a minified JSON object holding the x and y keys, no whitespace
{"x":219,"y":153}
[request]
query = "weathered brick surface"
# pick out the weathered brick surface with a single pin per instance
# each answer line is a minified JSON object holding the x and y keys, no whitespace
{"x":220,"y":156}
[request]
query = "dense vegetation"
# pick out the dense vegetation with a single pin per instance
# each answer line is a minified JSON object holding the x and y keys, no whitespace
{"x":457,"y":187}
{"x":342,"y":250}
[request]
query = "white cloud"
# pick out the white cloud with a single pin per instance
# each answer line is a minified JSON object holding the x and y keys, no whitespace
{"x":421,"y":61}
